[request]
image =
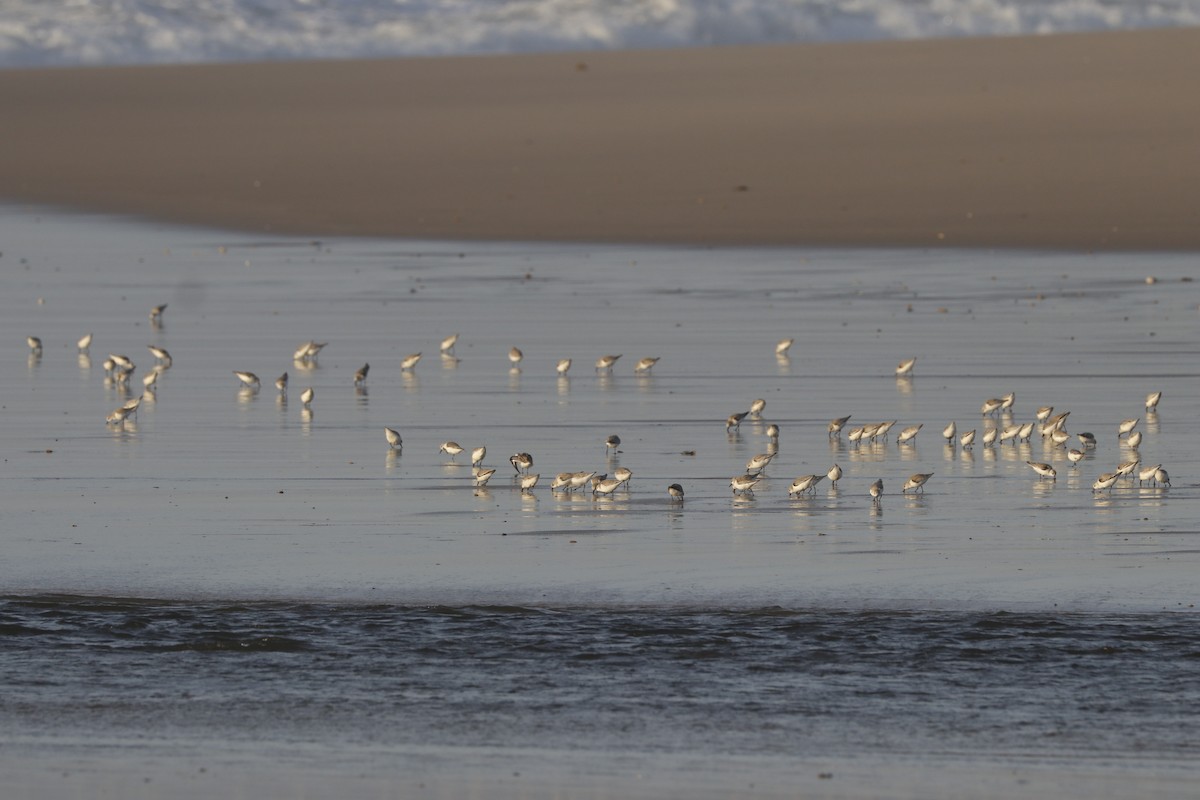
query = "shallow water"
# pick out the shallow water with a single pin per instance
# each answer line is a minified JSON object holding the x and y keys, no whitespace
{"x":228,"y":566}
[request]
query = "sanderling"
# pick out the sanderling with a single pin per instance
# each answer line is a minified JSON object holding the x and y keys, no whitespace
{"x":784,"y":345}
{"x":1060,"y":437}
{"x":157,"y":312}
{"x":612,"y":443}
{"x":1105,"y":481}
{"x":149,"y":379}
{"x":1161,"y":477}
{"x":916,"y":481}
{"x":360,"y":376}
{"x":606,"y":362}
{"x":1126,"y":426}
{"x":773,"y":432}
{"x":1006,"y":402}
{"x":563,"y":365}
{"x":85,"y":344}
{"x":308,"y":351}
{"x":1043,"y":470}
{"x":743,"y":484}
{"x":676,"y":492}
{"x":876,"y":490}
{"x":393,"y":438}
{"x":1127,"y":467}
{"x":482,"y":476}
{"x":561,"y":481}
{"x":834,"y":474}
{"x":645,"y":364}
{"x":1152,"y":401}
{"x":1148,"y":473}
{"x":881,"y":430}
{"x":1134,"y":440}
{"x":991,"y":406}
{"x":578,"y":480}
{"x":949,"y":432}
{"x":856,"y":434}
{"x":967,"y":439}
{"x":909,"y":433}
{"x":1044,"y":413}
{"x":409,"y":361}
{"x":757,"y":406}
{"x":451,"y":449}
{"x":623,"y":474}
{"x":281,"y":382}
{"x":521,"y":462}
{"x":1087,"y":439}
{"x":735,"y":420}
{"x":306,"y":397}
{"x":805,"y":483}
{"x":160,"y":355}
{"x":131,"y":405}
{"x":836,"y":425}
{"x":248,"y":379}
{"x":449,"y":342}
{"x":529,"y":481}
{"x":515,"y":355}
{"x":1075,"y":456}
{"x":477,"y":455}
{"x":1009,"y":432}
{"x":905,"y":368}
{"x":116,"y":416}
{"x":1025,"y":431}
{"x":756,"y":465}
{"x":35,"y":344}
{"x":605,"y":486}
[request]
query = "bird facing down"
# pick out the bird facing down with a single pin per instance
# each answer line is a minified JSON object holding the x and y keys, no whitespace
{"x":834,"y":474}
{"x":905,"y":368}
{"x":393,"y":438}
{"x":515,"y":355}
{"x":449,"y":342}
{"x":676,"y":492}
{"x":606,"y":362}
{"x":1043,"y":470}
{"x":281,"y":382}
{"x":916,"y":481}
{"x":646,"y":364}
{"x":756,"y":407}
{"x":784,"y":345}
{"x":563,"y":366}
{"x":477,"y":456}
{"x":612,"y":443}
{"x":836,"y":425}
{"x":360,"y":377}
{"x":949,"y":432}
{"x":805,"y":483}
{"x":306,"y":397}
{"x":735,"y":421}
{"x":743,"y":484}
{"x":521,"y":461}
{"x":409,"y":361}
{"x":248,"y":379}
{"x":877,"y":490}
{"x":482,"y":476}
{"x":1152,"y":401}
{"x":451,"y":449}
{"x":529,"y":481}
{"x":967,"y":439}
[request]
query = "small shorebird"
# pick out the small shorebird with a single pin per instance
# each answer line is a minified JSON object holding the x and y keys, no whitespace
{"x":781,"y":349}
{"x":409,"y":361}
{"x":646,"y":364}
{"x":1087,"y":439}
{"x":157,"y":312}
{"x":676,"y":492}
{"x":1056,"y":423}
{"x":578,"y":480}
{"x":1126,"y":426}
{"x":1134,"y":440}
{"x":834,"y":475}
{"x":515,"y":355}
{"x":281,"y":382}
{"x":451,"y":449}
{"x":967,"y":439}
{"x":612,"y":443}
{"x":1105,"y":481}
{"x":477,"y":456}
{"x":805,"y":483}
{"x":1025,"y":432}
{"x":561,"y":481}
{"x":606,"y":362}
{"x":308,"y":351}
{"x":949,"y":432}
{"x":482,"y":476}
{"x":881,"y":430}
{"x":563,"y":365}
{"x":735,"y":420}
{"x":1043,"y":470}
{"x":116,"y":416}
{"x":1152,"y":401}
{"x":623,"y":475}
{"x":876,"y":490}
{"x":916,"y":481}
{"x":150,"y":379}
{"x":773,"y":433}
{"x":1044,"y":413}
{"x":1075,"y":456}
{"x":248,"y":379}
{"x":1127,"y":467}
{"x":121,"y":361}
{"x":1060,"y":437}
{"x":756,"y":407}
{"x":393,"y":438}
{"x":905,"y":368}
{"x":160,"y":355}
{"x":131,"y":405}
{"x":1161,"y":477}
{"x":521,"y":462}
{"x":35,"y":344}
{"x":1009,"y":432}
{"x":529,"y":481}
{"x":744,"y":484}
{"x":360,"y":377}
{"x":85,"y":344}
{"x":991,"y":406}
{"x":856,"y":434}
{"x":605,"y":486}
{"x":908,"y":434}
{"x":449,"y":342}
{"x":836,"y":425}
{"x":306,"y":397}
{"x":1006,"y":402}
{"x":756,"y":465}
{"x":1148,"y":473}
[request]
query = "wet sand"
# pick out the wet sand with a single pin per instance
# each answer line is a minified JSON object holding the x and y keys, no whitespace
{"x":1081,"y":142}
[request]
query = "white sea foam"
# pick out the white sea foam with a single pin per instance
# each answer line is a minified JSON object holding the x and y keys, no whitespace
{"x":82,"y":32}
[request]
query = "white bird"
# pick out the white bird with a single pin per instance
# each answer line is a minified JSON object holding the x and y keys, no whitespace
{"x":360,"y":376}
{"x":160,"y":354}
{"x":836,"y":425}
{"x":248,"y":379}
{"x":758,"y":463}
{"x":1087,"y":439}
{"x":515,"y":355}
{"x":781,"y":349}
{"x":916,"y":481}
{"x":834,"y":474}
{"x":773,"y":432}
{"x":35,"y":344}
{"x":482,"y":476}
{"x":1044,"y":413}
{"x":563,"y":365}
{"x":450,"y":448}
{"x":646,"y":364}
{"x":578,"y":480}
{"x":606,"y":362}
{"x":967,"y":439}
{"x":743,"y":484}
{"x":1105,"y":481}
{"x":157,"y":312}
{"x":623,"y":474}
{"x":1006,"y":402}
{"x":908,"y":434}
{"x":1152,"y":401}
{"x":85,"y":343}
{"x":477,"y":456}
{"x":521,"y":462}
{"x":757,"y":406}
{"x":991,"y":406}
{"x":1148,"y":473}
{"x":734,"y":421}
{"x":449,"y":342}
{"x":1126,"y":426}
{"x":393,"y":438}
{"x":306,"y":397}
{"x":905,"y":368}
{"x":1043,"y":470}
{"x":1134,"y":440}
{"x":605,"y":486}
{"x":409,"y":361}
{"x":949,"y":432}
{"x":805,"y":483}
{"x":877,"y":490}
{"x":281,"y":382}
{"x":1075,"y":456}
{"x":611,"y":443}
{"x":529,"y":481}
{"x":1162,"y":478}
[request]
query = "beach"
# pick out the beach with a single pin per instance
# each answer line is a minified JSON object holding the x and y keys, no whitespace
{"x":1081,"y":142}
{"x":237,"y":593}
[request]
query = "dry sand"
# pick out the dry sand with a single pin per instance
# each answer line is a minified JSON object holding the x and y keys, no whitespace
{"x":1081,"y":141}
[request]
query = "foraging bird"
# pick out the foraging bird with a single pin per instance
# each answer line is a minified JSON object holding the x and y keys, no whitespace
{"x":646,"y":364}
{"x":563,"y":365}
{"x":676,"y":492}
{"x":449,"y":342}
{"x":949,"y":432}
{"x":281,"y":382}
{"x":606,"y":362}
{"x":744,"y":484}
{"x":529,"y":481}
{"x":916,"y":481}
{"x":85,"y":343}
{"x":877,"y":490}
{"x":967,"y":439}
{"x":1043,"y":470}
{"x":483,"y":476}
{"x":477,"y":456}
{"x":521,"y":461}
{"x":1152,"y":401}
{"x":409,"y":361}
{"x":393,"y":438}
{"x":735,"y":420}
{"x":515,"y":355}
{"x":834,"y":474}
{"x":905,"y":368}
{"x":360,"y":377}
{"x":451,"y":448}
{"x":248,"y":379}
{"x":612,"y":443}
{"x":784,"y":345}
{"x":836,"y":425}
{"x":805,"y":483}
{"x":306,"y":397}
{"x":756,"y":407}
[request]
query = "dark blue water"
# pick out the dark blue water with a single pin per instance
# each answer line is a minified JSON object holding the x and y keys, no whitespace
{"x":765,"y":681}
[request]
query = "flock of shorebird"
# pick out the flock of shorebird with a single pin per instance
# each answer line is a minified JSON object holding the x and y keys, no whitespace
{"x":1051,"y":427}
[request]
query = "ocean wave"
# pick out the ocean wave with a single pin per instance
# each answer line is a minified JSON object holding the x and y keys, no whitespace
{"x":112,"y":32}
